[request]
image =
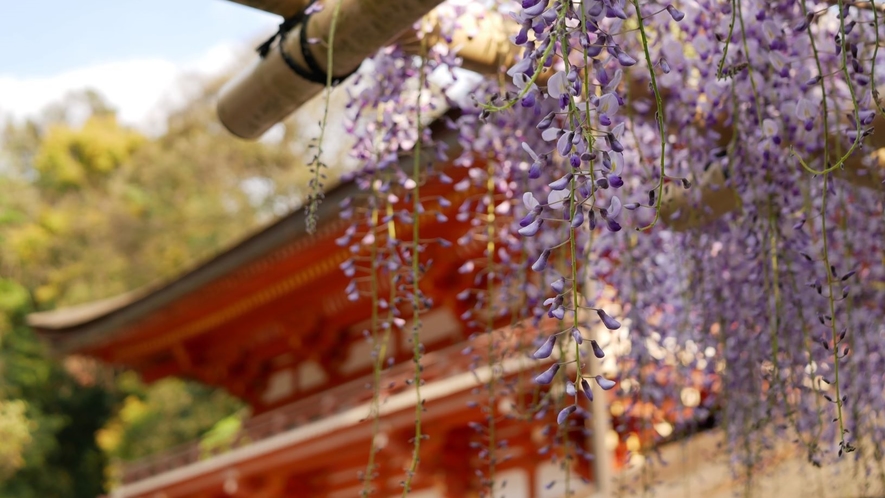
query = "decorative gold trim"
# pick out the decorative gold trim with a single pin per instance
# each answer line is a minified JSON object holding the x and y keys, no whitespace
{"x":300,"y":279}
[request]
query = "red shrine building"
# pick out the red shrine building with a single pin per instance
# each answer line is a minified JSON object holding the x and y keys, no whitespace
{"x":269,"y":321}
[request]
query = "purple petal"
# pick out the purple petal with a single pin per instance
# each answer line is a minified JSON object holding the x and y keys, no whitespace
{"x":535,"y":170}
{"x":625,"y":59}
{"x":535,"y":10}
{"x":529,"y":100}
{"x":675,"y":14}
{"x":562,"y":183}
{"x":546,"y":349}
{"x":610,"y":323}
{"x":597,"y":351}
{"x":558,"y":286}
{"x":575,"y":160}
{"x":529,"y":218}
{"x":522,"y":37}
{"x":576,"y":335}
{"x":558,"y":313}
{"x":585,"y":388}
{"x":532,"y":229}
{"x":604,"y":383}
{"x":547,"y":122}
{"x":614,"y":208}
{"x":541,"y":263}
{"x":564,"y":145}
{"x":616,"y":10}
{"x":563,"y":415}
{"x":546,"y":377}
{"x":530,"y":152}
{"x":578,"y":220}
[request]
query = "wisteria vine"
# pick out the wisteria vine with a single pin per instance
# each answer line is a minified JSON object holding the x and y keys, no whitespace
{"x":710,"y":170}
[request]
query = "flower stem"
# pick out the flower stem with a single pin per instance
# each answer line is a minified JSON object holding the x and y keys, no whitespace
{"x":659,"y":116}
{"x":416,"y":275}
{"x":317,"y":165}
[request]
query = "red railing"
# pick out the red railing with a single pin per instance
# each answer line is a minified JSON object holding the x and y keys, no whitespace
{"x":436,"y":365}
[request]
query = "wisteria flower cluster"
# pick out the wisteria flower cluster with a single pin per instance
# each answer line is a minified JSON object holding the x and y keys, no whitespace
{"x":690,"y":193}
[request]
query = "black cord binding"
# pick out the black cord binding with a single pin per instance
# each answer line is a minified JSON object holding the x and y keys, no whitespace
{"x":313,"y":73}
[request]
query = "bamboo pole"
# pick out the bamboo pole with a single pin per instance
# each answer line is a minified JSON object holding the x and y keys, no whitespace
{"x":266,"y":93}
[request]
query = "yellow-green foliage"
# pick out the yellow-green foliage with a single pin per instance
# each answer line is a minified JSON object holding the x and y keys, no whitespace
{"x":222,"y":436}
{"x":91,"y":210}
{"x":69,"y":158}
{"x":15,"y":432}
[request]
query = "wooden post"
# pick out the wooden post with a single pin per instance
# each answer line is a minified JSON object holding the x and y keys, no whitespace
{"x":600,"y":419}
{"x":601,"y":424}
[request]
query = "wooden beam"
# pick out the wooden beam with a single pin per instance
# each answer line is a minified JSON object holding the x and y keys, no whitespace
{"x":160,"y":370}
{"x":269,"y":485}
{"x":482,"y":40}
{"x":683,"y":210}
{"x":171,"y":368}
{"x":182,"y":357}
{"x":680,"y":212}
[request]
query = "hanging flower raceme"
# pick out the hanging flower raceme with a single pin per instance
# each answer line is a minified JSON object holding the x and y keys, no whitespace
{"x":684,"y":191}
{"x":589,"y":138}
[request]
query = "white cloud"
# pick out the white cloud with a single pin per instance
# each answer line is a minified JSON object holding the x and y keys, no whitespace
{"x":138,"y":88}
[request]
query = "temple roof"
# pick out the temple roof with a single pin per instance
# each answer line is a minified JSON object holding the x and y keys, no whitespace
{"x":72,"y":328}
{"x":268,"y":318}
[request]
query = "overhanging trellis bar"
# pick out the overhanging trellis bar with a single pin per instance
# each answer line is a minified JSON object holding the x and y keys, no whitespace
{"x":266,"y":93}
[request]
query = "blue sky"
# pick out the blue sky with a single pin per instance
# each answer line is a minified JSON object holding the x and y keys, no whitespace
{"x":52,"y":46}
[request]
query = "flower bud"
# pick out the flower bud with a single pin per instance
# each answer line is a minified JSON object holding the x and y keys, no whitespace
{"x":676,"y":14}
{"x":563,"y":415}
{"x":546,"y":349}
{"x":610,"y":323}
{"x":604,"y":383}
{"x":547,"y":376}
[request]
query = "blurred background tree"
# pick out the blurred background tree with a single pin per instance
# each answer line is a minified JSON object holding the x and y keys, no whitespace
{"x":91,"y":209}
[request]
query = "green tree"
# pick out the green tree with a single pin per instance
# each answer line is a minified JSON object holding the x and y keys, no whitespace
{"x":57,"y":414}
{"x":141,"y":427}
{"x":92,"y":209}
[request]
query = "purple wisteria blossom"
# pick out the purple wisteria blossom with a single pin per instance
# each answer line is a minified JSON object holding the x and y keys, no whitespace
{"x":722,"y":202}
